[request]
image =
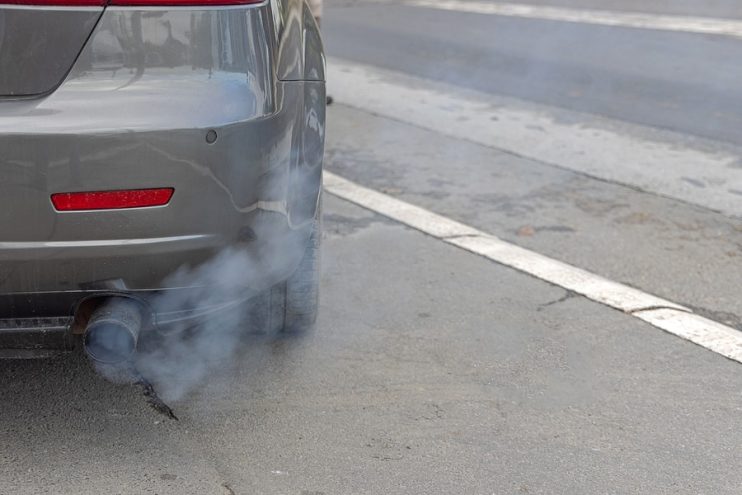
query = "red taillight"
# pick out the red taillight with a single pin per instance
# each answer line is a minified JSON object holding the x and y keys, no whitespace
{"x":112,"y":200}
{"x":135,"y":3}
{"x":181,"y":3}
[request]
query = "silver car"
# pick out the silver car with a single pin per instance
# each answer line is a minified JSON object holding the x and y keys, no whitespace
{"x":161,"y":160}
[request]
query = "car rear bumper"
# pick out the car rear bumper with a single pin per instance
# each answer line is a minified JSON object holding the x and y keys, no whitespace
{"x":257,"y":183}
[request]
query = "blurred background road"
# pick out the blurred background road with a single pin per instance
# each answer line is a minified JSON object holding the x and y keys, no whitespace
{"x":676,"y":80}
{"x":600,"y":133}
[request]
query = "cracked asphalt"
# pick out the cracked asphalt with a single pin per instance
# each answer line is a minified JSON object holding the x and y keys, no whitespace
{"x":434,"y":370}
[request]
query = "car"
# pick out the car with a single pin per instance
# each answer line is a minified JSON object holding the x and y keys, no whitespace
{"x":161,"y":161}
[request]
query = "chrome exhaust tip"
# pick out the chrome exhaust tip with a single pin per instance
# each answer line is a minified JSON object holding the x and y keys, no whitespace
{"x":112,"y":333}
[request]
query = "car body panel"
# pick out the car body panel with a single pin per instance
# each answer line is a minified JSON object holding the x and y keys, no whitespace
{"x":134,"y":112}
{"x":40,"y":45}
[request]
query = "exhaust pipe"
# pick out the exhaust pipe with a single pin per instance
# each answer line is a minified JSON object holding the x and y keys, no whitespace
{"x":112,"y":332}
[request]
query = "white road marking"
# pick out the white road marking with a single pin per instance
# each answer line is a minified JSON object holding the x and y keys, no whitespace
{"x":670,"y":164}
{"x":661,"y":313}
{"x":637,"y":20}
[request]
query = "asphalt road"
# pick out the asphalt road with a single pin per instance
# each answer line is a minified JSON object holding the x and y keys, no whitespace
{"x":677,"y":81}
{"x":434,"y":370}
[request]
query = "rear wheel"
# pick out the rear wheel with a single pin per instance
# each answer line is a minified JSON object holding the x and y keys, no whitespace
{"x":291,"y":307}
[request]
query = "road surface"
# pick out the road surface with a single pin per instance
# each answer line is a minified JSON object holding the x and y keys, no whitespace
{"x":440,"y":364}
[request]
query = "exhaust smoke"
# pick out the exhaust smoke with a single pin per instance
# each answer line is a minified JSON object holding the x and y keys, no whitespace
{"x":186,"y":353}
{"x":240,"y":282}
{"x":170,"y":361}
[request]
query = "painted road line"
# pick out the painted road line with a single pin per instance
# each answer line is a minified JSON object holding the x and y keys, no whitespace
{"x":661,"y":313}
{"x":662,"y":162}
{"x":636,"y":20}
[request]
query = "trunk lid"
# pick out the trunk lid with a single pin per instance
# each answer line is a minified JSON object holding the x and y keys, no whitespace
{"x":39,"y":45}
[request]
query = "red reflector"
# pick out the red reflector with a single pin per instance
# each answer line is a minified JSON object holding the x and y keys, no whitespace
{"x":112,"y":200}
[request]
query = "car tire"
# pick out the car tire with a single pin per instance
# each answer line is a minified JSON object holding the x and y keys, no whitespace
{"x":291,"y":307}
